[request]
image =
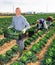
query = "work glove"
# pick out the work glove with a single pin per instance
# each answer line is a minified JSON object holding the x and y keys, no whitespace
{"x":10,"y":27}
{"x":23,"y":31}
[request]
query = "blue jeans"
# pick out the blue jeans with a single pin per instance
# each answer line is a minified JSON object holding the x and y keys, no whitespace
{"x":49,"y":23}
{"x":21,"y":44}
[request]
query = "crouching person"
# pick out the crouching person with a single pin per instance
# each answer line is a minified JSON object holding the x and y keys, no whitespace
{"x":43,"y":24}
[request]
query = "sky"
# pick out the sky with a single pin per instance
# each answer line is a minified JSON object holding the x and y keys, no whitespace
{"x":27,"y":5}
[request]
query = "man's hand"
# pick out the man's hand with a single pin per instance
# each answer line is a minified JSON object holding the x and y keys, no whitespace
{"x":10,"y":27}
{"x":24,"y":30}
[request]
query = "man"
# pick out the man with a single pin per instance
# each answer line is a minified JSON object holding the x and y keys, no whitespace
{"x":49,"y":20}
{"x":20,"y":24}
{"x":43,"y":23}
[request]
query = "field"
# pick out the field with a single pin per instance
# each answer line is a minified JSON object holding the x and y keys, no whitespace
{"x":39,"y":46}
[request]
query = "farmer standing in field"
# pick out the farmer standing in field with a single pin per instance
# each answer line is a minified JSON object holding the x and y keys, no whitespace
{"x":49,"y":20}
{"x":20,"y":23}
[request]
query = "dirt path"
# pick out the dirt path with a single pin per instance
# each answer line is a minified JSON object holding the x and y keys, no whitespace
{"x":7,"y":46}
{"x":1,"y":36}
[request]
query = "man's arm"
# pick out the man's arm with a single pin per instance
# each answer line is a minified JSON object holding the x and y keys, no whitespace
{"x":26,"y":24}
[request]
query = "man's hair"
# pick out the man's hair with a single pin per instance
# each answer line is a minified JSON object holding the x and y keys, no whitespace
{"x":17,"y":8}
